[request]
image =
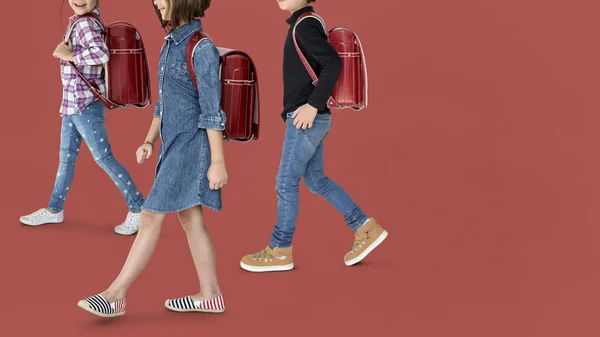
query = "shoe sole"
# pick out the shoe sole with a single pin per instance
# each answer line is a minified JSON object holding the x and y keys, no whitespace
{"x":126,"y":234}
{"x":255,"y":269}
{"x":31,"y":224}
{"x":193,"y":310}
{"x":85,"y":306}
{"x":369,"y":249}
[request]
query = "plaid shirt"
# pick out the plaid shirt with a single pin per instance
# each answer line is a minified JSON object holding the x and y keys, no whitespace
{"x":89,"y":55}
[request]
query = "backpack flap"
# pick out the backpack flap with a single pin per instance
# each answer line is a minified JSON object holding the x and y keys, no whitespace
{"x":239,"y":94}
{"x":239,"y":90}
{"x":127,"y":73}
{"x":349,"y":91}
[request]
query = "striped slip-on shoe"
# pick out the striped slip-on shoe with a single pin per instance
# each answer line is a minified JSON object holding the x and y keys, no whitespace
{"x":99,"y":306}
{"x":186,"y":304}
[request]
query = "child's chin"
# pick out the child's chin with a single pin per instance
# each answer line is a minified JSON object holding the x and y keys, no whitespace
{"x":80,"y":11}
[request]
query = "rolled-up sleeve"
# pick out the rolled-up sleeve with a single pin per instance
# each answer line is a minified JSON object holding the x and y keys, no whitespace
{"x":94,"y":50}
{"x":206,"y":68}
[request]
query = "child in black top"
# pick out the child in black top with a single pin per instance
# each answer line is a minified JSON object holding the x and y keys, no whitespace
{"x":308,"y":122}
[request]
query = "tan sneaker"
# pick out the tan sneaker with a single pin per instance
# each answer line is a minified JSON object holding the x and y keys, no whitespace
{"x":278,"y":259}
{"x":366,"y":238}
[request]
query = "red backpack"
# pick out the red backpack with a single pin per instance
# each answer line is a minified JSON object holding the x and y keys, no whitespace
{"x":351,"y":90}
{"x":239,"y":90}
{"x":126,"y":73}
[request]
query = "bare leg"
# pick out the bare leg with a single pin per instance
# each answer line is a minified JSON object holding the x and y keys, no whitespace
{"x":139,"y":255}
{"x":203,"y":252}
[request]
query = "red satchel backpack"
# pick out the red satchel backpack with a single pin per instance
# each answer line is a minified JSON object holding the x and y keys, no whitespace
{"x":126,"y":73}
{"x":351,"y":90}
{"x":239,"y":90}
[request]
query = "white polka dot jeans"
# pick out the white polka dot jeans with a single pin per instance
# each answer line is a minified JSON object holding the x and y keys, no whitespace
{"x":89,"y":126}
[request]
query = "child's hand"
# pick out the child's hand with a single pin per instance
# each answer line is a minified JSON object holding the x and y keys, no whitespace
{"x":63,"y":51}
{"x":217,"y":176}
{"x":304,"y":116}
{"x":144,"y":152}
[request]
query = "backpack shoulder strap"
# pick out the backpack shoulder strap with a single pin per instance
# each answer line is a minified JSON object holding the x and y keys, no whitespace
{"x":314,"y":16}
{"x":310,"y":70}
{"x":196,"y":38}
{"x":95,"y":17}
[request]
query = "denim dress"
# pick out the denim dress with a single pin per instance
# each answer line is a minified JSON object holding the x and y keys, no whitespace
{"x":185,"y":114}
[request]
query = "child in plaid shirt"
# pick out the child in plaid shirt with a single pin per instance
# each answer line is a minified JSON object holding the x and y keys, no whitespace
{"x":83,"y":117}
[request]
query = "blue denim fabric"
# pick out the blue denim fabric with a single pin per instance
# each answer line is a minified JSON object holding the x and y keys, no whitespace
{"x":186,"y":113}
{"x":89,"y":125}
{"x":302,"y":157}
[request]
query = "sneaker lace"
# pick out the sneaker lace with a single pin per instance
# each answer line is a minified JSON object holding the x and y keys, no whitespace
{"x":129,"y":222}
{"x":39,"y":213}
{"x":263,"y":254}
{"x":128,"y":225}
{"x":359,"y":240}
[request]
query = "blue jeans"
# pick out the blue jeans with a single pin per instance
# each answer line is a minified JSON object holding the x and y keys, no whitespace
{"x":89,"y":125}
{"x":302,"y":156}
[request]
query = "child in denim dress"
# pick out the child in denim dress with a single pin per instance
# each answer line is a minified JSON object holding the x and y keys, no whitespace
{"x":191,"y":165}
{"x":83,"y":118}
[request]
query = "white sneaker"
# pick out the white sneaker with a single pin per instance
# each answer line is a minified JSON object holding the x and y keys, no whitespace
{"x":42,"y":217}
{"x":131,"y":224}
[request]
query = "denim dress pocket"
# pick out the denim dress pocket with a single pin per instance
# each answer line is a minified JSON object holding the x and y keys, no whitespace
{"x":178,"y":69}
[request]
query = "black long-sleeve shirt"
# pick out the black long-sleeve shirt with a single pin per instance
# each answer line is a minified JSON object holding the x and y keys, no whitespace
{"x":325,"y":61}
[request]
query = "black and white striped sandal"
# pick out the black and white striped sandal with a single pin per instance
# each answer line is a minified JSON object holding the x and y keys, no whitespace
{"x":99,"y":306}
{"x":186,"y":304}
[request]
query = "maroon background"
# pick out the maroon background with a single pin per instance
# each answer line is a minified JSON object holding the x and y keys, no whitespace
{"x":478,"y":153}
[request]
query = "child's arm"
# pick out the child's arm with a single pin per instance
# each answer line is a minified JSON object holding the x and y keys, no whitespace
{"x":64,"y":52}
{"x":154,"y":132}
{"x":89,"y":36}
{"x":217,"y":174}
{"x":212,"y":118}
{"x":217,"y":154}
{"x":145,"y":151}
{"x":310,"y":35}
{"x":206,"y":67}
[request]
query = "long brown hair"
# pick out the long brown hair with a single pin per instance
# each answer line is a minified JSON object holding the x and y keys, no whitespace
{"x":182,"y":11}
